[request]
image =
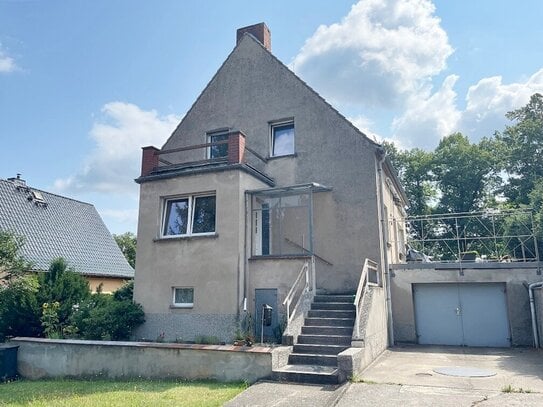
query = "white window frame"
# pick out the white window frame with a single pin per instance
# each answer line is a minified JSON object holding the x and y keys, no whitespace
{"x":182,"y":304}
{"x":273,"y":126}
{"x":190,"y":216}
{"x":209,"y":139}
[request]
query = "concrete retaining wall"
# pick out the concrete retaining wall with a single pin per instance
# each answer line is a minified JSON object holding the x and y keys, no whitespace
{"x":47,"y":358}
{"x":538,"y":297}
{"x":373,"y":338}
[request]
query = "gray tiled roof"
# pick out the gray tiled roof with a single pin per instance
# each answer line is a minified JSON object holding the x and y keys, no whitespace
{"x":63,"y":228}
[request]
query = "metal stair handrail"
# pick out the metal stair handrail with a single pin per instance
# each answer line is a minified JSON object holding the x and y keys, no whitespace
{"x":304,"y":272}
{"x":362,"y":284}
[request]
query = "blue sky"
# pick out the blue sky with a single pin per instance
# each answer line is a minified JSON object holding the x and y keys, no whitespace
{"x":84,"y":85}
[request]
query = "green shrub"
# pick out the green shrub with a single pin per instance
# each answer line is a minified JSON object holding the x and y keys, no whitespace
{"x":102,"y":317}
{"x":19,"y":310}
{"x":63,"y":285}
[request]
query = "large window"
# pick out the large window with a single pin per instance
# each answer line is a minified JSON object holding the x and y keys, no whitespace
{"x":183,"y":297}
{"x":218,"y":151}
{"x":282,"y":139}
{"x":191,"y":215}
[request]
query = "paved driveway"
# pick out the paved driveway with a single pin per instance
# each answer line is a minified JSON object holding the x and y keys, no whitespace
{"x":514,"y":368}
{"x":405,"y":376}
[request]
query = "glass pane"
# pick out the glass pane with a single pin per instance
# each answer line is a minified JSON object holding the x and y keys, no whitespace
{"x":283,"y":140}
{"x":184,"y":295}
{"x":221,"y":150}
{"x":176,"y":217}
{"x":204,"y":214}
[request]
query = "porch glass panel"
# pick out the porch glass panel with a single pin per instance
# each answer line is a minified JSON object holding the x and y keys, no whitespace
{"x":281,"y":223}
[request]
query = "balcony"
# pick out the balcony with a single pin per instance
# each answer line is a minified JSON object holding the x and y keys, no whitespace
{"x":219,"y":155}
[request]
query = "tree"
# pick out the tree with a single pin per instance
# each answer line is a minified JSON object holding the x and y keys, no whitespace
{"x":415,"y":172}
{"x":465,"y":174}
{"x":522,"y":145}
{"x":127,"y":244}
{"x":12,"y":264}
{"x":19,"y":310}
{"x":63,"y":285}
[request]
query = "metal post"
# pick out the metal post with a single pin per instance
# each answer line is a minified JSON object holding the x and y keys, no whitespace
{"x":262,"y":325}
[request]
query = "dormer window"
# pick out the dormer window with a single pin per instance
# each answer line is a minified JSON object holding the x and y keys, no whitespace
{"x":282,"y":139}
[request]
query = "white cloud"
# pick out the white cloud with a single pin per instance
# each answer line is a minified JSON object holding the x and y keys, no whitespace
{"x":489,"y":99}
{"x":364,"y":124}
{"x":428,"y":117}
{"x":115,"y":161}
{"x":380,"y":54}
{"x":123,"y":216}
{"x":7,"y":63}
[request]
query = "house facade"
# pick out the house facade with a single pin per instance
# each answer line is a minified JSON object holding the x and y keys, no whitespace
{"x":261,"y":177}
{"x":54,"y":226}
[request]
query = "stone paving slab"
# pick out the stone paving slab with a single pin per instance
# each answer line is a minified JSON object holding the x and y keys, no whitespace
{"x":264,"y":394}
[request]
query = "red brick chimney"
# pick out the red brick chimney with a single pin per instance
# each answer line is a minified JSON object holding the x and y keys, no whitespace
{"x":260,"y":31}
{"x":149,"y":160}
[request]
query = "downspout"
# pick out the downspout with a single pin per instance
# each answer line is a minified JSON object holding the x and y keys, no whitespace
{"x":384,"y":257}
{"x":532,"y":311}
{"x":245,"y":256}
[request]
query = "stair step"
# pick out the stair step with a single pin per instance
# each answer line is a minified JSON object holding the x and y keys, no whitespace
{"x":334,"y":298}
{"x":327,"y":330}
{"x":329,"y":313}
{"x":320,"y":349}
{"x":325,"y":339}
{"x":312,"y":359}
{"x":348,"y":306}
{"x":307,"y":374}
{"x":344,"y":322}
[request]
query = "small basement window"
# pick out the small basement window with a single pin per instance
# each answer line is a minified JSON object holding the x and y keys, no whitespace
{"x":188,"y":216}
{"x":183,"y":297}
{"x":282,"y":139}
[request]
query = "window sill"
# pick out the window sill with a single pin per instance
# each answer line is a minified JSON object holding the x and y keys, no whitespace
{"x":281,"y":257}
{"x":275,"y":157}
{"x":181,"y":306}
{"x":190,"y":237}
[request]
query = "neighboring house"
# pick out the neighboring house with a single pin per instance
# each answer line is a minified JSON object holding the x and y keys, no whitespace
{"x":54,"y":226}
{"x":261,"y":177}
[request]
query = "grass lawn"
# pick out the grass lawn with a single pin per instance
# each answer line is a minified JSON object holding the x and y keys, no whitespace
{"x":76,"y":393}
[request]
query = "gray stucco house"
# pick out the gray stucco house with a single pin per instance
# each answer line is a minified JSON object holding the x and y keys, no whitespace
{"x":55,"y":226}
{"x":265,"y":194}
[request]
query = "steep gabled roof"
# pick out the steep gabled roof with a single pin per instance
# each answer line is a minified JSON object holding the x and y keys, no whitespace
{"x":249,"y":37}
{"x":54,"y":226}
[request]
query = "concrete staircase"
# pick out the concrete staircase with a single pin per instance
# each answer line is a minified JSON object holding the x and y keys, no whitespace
{"x":327,"y":331}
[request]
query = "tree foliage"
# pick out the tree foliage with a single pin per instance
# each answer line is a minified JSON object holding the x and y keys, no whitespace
{"x":127,"y":244}
{"x":58,"y":303}
{"x":63,"y":285}
{"x":522,"y":145}
{"x":464,"y":173}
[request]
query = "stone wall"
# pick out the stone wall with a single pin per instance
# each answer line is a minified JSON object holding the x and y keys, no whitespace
{"x":48,"y":358}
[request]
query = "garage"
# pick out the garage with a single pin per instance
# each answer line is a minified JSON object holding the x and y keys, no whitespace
{"x":461,"y":314}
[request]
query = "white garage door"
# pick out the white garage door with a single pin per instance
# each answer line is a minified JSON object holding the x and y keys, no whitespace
{"x":461,"y":314}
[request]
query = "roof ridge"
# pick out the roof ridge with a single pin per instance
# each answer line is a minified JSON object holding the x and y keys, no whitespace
{"x":50,"y":193}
